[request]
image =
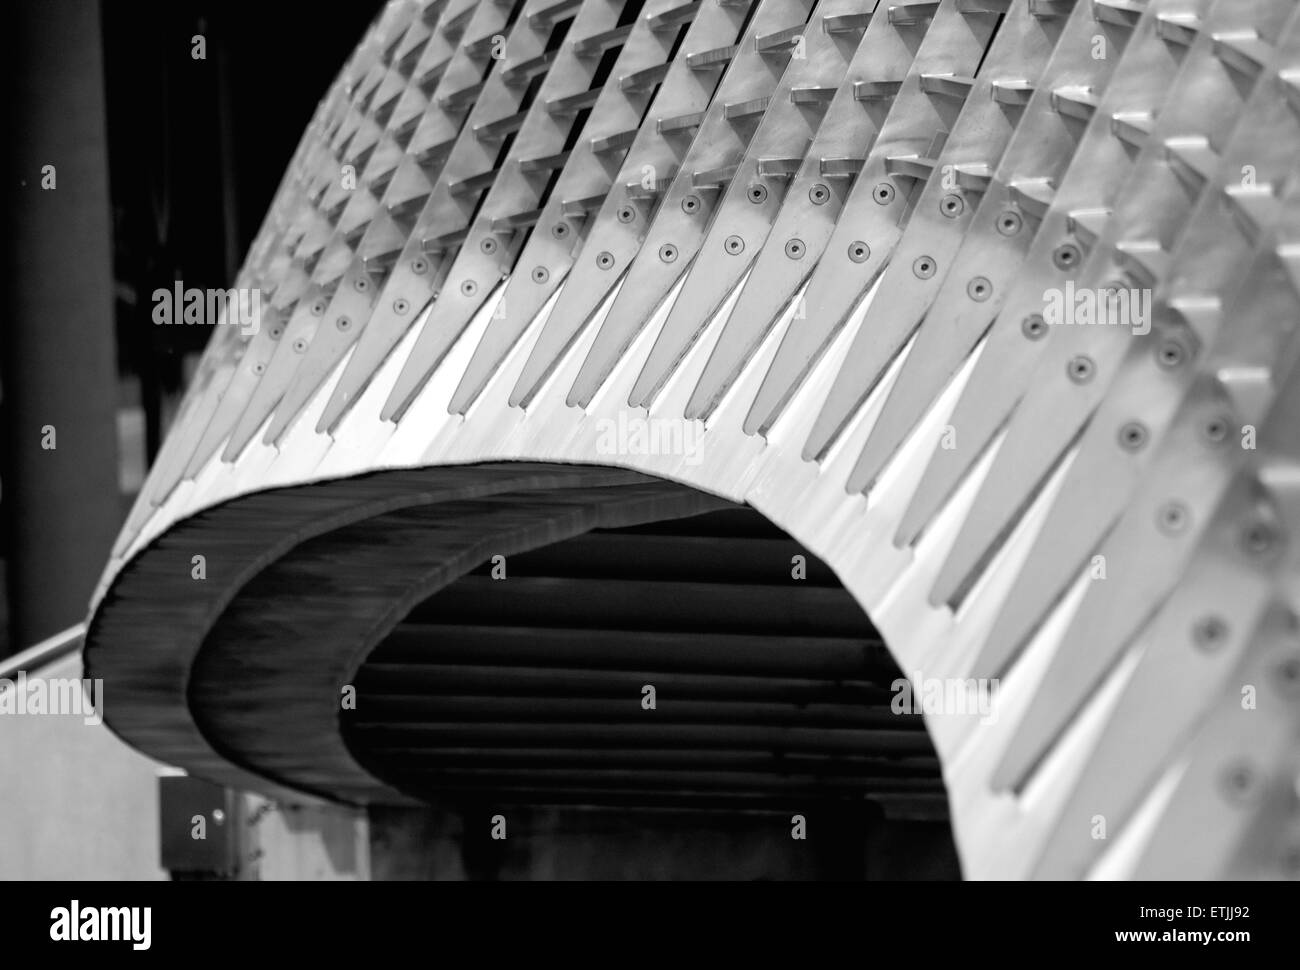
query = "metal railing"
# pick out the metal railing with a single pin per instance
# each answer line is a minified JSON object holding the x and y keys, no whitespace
{"x":47,"y":651}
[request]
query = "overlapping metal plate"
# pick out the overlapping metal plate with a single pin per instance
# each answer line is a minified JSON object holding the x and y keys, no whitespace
{"x":991,"y":303}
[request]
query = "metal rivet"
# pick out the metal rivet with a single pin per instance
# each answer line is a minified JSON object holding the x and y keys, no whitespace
{"x":1080,"y":369}
{"x":667,"y":252}
{"x":1133,"y":436}
{"x":1258,"y":539}
{"x":626,"y":213}
{"x":605,"y":260}
{"x":1172,"y":518}
{"x":1033,"y":326}
{"x":299,"y":345}
{"x":691,"y":204}
{"x":757,"y":193}
{"x":734,"y":245}
{"x":1215,"y":430}
{"x":541,"y":274}
{"x":318,"y":307}
{"x":795,"y":249}
{"x":859,"y":251}
{"x":1009,"y":222}
{"x":469,"y":288}
{"x":1209,"y":633}
{"x":1287,"y":673}
{"x":979,"y":289}
{"x":275,"y":332}
{"x":259,"y":368}
{"x":343,"y":323}
{"x":1170,"y":354}
{"x":488,"y":245}
{"x":952,"y":206}
{"x":418,"y":266}
{"x":560,"y":230}
{"x":1066,"y":256}
{"x":923,"y":267}
{"x":1240,"y":782}
{"x":400,"y":306}
{"x":883,"y":193}
{"x":362,"y":284}
{"x":819,"y":194}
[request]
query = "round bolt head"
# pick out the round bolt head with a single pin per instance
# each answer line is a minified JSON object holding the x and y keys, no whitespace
{"x":1241,"y":782}
{"x":1066,"y":256}
{"x":1258,"y":539}
{"x":1081,"y":369}
{"x":1215,"y":430}
{"x":1210,"y":633}
{"x":1286,"y":673}
{"x":1170,"y":354}
{"x":1133,"y":435}
{"x":1172,"y":518}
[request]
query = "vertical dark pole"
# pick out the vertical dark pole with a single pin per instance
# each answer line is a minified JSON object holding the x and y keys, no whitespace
{"x":232,"y":250}
{"x":62,"y":505}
